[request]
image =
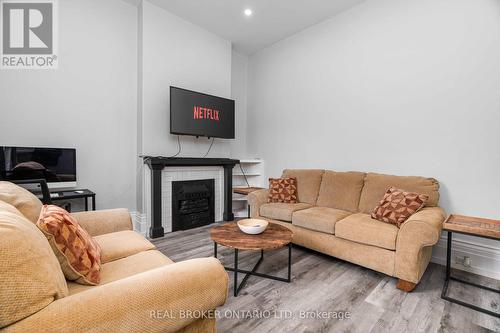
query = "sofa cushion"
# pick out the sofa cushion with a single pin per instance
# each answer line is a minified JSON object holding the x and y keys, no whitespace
{"x":125,"y":267}
{"x":78,"y":254}
{"x":30,"y":275}
{"x":308,"y":183}
{"x":282,"y":190}
{"x":341,"y":190}
{"x":376,"y":185}
{"x":121,"y":244}
{"x":281,"y":211}
{"x":321,"y":219}
{"x":361,"y":228}
{"x":10,"y":209}
{"x":25,"y":201}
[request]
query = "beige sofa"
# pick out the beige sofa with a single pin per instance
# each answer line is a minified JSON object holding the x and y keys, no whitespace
{"x":333,"y":217}
{"x":141,"y":290}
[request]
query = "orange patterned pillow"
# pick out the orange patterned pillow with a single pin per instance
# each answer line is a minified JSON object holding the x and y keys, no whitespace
{"x":282,"y":190}
{"x":78,"y":254}
{"x":397,"y":206}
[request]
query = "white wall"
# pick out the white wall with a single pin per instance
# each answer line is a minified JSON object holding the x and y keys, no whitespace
{"x":110,"y":96}
{"x":178,"y":53}
{"x":239,"y":89}
{"x":400,"y":87}
{"x":89,"y":103}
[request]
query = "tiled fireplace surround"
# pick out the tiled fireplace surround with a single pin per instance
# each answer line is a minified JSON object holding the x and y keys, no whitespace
{"x":170,"y":175}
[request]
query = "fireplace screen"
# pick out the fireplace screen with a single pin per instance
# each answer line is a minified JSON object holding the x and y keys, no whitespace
{"x":192,"y":204}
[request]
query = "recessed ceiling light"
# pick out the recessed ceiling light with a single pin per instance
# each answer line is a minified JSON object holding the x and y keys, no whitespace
{"x":248,"y":12}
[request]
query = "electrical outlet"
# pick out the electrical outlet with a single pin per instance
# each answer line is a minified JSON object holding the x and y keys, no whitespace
{"x":467,"y":261}
{"x":464,"y":261}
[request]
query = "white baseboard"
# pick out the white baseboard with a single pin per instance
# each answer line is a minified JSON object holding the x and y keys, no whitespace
{"x":139,"y":222}
{"x":485,"y":259}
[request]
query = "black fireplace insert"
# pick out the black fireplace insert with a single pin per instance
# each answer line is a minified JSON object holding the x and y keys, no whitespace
{"x":192,"y":204}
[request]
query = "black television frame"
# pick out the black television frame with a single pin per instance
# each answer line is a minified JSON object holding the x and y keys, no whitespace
{"x":201,"y":135}
{"x":53,"y":184}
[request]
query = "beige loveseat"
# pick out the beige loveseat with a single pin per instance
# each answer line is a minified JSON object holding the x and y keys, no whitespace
{"x":141,"y":290}
{"x":333,"y":217}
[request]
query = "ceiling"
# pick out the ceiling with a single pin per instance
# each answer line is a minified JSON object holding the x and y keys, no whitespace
{"x":271,"y":21}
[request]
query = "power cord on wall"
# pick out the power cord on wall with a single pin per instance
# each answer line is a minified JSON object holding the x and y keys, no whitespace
{"x":241,"y":168}
{"x":244,"y":176}
{"x":209,"y":148}
{"x":179,"y":149}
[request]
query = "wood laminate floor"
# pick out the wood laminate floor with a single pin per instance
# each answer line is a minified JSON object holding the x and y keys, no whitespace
{"x":325,"y":289}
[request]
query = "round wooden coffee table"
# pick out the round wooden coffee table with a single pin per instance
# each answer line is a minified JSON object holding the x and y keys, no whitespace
{"x":273,"y":238}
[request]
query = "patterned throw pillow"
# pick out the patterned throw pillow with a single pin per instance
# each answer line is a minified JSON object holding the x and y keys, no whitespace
{"x":397,"y":206}
{"x":282,"y":190}
{"x":78,"y":254}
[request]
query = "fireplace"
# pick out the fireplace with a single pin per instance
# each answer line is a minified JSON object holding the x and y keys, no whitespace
{"x":192,"y":203}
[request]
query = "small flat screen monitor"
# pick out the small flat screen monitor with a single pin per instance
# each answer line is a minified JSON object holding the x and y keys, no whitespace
{"x":56,"y":165}
{"x":198,"y":114}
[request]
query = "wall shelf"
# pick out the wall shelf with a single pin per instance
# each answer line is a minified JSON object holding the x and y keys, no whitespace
{"x":253,"y":169}
{"x":251,"y":161}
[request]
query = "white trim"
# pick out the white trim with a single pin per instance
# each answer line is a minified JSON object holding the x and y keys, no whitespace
{"x":485,"y":259}
{"x":139,"y":222}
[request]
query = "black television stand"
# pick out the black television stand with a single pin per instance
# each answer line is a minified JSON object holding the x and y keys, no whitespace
{"x":49,"y":196}
{"x":74,"y":194}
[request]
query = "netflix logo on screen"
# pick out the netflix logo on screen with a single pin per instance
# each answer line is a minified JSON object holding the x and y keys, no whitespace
{"x":200,"y":112}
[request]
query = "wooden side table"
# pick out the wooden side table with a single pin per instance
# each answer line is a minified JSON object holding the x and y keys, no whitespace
{"x":472,"y":226}
{"x":246,"y":191}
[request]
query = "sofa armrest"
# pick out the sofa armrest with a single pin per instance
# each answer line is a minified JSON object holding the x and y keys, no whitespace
{"x":415,"y":240}
{"x":104,"y":221}
{"x":159,"y":300}
{"x":257,"y":199}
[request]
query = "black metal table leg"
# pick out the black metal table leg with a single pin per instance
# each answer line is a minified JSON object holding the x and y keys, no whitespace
{"x":289,"y":262}
{"x":235,"y":272}
{"x":237,"y":288}
{"x":244,"y":281}
{"x":86,"y":203}
{"x":449,"y":277}
{"x":93,"y":202}
{"x":448,"y":256}
{"x":215,"y":249}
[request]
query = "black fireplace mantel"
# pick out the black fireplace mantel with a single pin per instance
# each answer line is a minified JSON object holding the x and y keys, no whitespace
{"x":189,"y":161}
{"x":158,"y":163}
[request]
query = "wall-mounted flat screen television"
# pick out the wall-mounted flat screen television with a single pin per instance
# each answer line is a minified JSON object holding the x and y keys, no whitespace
{"x":56,"y":165}
{"x":198,"y":114}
